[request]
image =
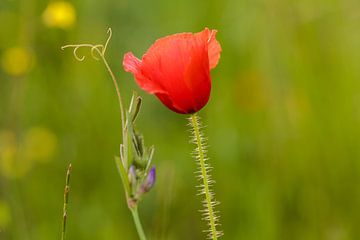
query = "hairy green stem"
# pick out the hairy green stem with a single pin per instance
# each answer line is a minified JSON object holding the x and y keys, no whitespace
{"x":139,"y":229}
{"x":200,"y":155}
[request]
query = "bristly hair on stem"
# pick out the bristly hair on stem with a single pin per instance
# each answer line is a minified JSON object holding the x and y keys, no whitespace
{"x":203,"y":174}
{"x":66,"y":201}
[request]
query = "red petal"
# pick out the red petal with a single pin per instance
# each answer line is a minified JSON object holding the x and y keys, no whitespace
{"x":133,"y":64}
{"x":214,"y":48}
{"x":167,"y":101}
{"x":176,"y":69}
{"x":180,"y":64}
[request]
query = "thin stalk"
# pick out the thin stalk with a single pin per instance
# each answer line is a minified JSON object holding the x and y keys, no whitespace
{"x":101,"y":49}
{"x":134,"y":210}
{"x":200,"y":155}
{"x":66,"y":201}
{"x":121,"y":163}
{"x":123,"y":127}
{"x":137,"y":222}
{"x":116,"y":88}
{"x":122,"y":167}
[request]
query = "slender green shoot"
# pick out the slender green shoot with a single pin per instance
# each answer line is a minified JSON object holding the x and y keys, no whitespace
{"x":139,"y":228}
{"x":98,"y":53}
{"x":100,"y":49}
{"x":66,"y":201}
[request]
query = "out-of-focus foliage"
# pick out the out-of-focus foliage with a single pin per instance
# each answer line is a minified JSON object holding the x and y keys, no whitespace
{"x":283,"y":120}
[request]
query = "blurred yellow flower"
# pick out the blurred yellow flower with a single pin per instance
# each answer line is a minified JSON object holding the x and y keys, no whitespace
{"x":39,"y":144}
{"x":59,"y":14}
{"x":17,"y":61}
{"x":17,"y":156}
{"x":5,"y":216}
{"x":12,"y":165}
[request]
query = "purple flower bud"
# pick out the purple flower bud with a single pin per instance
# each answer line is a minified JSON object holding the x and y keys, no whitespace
{"x":150,"y":180}
{"x":132,"y":175}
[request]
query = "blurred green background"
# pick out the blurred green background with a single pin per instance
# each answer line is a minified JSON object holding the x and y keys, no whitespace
{"x":283,"y":120}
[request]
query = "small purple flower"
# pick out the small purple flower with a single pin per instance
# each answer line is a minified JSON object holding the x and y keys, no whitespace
{"x":149,"y":182}
{"x":150,"y":179}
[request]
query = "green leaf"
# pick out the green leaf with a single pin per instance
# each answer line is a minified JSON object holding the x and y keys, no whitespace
{"x":123,"y":174}
{"x":134,"y":107}
{"x":137,"y":108}
{"x":149,"y":157}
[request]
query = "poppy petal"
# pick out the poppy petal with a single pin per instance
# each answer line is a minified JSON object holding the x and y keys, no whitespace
{"x":166,"y":100}
{"x":176,"y":69}
{"x":131,"y":63}
{"x":134,"y":65}
{"x":180,"y":64}
{"x":214,"y":49}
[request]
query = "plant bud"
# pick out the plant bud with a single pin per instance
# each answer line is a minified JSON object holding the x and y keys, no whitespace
{"x":132,"y":175}
{"x":149,"y":182}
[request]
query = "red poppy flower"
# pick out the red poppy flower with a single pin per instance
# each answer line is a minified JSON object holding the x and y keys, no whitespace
{"x":176,"y":69}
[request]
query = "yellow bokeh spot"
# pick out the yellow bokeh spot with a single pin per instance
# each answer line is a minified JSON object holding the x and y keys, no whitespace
{"x":16,"y":61}
{"x":39,"y":144}
{"x":12,"y":165}
{"x":18,"y":155}
{"x":5,"y":216}
{"x":59,"y":14}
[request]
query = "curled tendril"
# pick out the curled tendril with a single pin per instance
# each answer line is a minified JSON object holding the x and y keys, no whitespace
{"x":109,"y":32}
{"x":99,"y":48}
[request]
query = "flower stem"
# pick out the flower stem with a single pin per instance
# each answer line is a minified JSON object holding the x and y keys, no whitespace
{"x":116,"y":88}
{"x":140,"y":231}
{"x":122,"y":165}
{"x":200,"y":154}
{"x":123,"y":127}
{"x":122,"y":162}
